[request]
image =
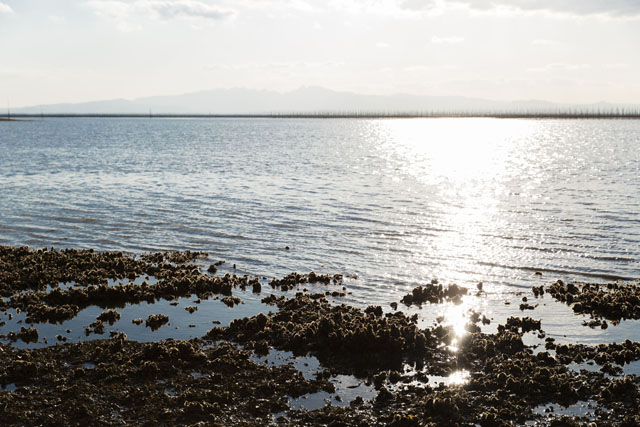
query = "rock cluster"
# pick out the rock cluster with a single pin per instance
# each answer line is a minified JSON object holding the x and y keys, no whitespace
{"x":155,"y":321}
{"x":434,"y":293}
{"x":613,"y":301}
{"x":349,"y":337}
{"x":31,"y":280}
{"x":119,"y":382}
{"x":294,"y":279}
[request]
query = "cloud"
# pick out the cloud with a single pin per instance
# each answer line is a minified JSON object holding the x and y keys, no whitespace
{"x":558,"y":66}
{"x":57,"y":19}
{"x":426,"y":68}
{"x":184,"y":8}
{"x":39,"y":73}
{"x":610,"y":8}
{"x":544,"y":42}
{"x":5,"y":8}
{"x":274,"y":66}
{"x":616,"y":66}
{"x":607,"y":8}
{"x":399,"y":9}
{"x":129,"y":14}
{"x":446,"y":40}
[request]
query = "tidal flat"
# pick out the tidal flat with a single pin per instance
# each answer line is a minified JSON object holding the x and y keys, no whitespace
{"x":167,"y":338}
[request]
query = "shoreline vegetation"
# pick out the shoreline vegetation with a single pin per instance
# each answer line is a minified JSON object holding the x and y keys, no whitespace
{"x":618,"y":113}
{"x":216,"y":379}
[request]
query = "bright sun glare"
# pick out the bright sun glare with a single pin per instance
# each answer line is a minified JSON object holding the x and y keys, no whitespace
{"x":455,"y":150}
{"x":465,"y":160}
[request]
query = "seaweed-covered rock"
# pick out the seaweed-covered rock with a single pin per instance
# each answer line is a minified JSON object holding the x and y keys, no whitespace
{"x":155,"y":321}
{"x":346,"y":335}
{"x":434,"y":293}
{"x":109,"y":316}
{"x":612,"y":301}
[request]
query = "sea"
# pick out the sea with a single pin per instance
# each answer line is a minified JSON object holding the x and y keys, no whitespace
{"x":390,"y":203}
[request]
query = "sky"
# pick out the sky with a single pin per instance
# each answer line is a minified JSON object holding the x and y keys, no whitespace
{"x":569,"y":51}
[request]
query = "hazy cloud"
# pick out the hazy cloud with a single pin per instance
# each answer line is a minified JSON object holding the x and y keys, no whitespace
{"x":418,"y":4}
{"x":446,"y":40}
{"x":128,"y":14}
{"x":29,"y":72}
{"x":402,"y":9}
{"x":280,"y":5}
{"x":616,"y":66}
{"x":5,"y":8}
{"x":184,"y":8}
{"x":426,"y":68}
{"x":557,"y":66}
{"x":274,"y":66}
{"x":612,"y":8}
{"x":544,"y":42}
{"x":57,"y":19}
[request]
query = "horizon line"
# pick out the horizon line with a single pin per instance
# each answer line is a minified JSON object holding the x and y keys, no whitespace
{"x":619,"y":113}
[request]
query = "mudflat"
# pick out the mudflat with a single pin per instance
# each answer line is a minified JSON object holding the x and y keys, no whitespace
{"x":410,"y":374}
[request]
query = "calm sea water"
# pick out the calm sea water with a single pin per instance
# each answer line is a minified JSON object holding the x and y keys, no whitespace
{"x":395,"y":202}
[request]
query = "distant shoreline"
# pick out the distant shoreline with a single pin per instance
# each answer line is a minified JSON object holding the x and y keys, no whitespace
{"x":352,"y":115}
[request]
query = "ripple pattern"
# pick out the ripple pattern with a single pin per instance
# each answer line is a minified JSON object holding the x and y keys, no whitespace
{"x":394,"y":202}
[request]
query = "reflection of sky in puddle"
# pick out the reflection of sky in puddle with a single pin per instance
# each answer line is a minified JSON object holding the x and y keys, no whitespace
{"x":579,"y":409}
{"x":632,"y":368}
{"x":7,"y":387}
{"x":182,"y":325}
{"x":178,"y":327}
{"x":308,"y":365}
{"x":347,"y":387}
{"x":589,"y":366}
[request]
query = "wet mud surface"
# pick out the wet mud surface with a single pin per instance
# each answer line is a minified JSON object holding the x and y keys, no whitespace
{"x":373,"y":365}
{"x":118,"y":382}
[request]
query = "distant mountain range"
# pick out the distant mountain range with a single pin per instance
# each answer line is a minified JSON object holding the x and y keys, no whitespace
{"x":306,"y":100}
